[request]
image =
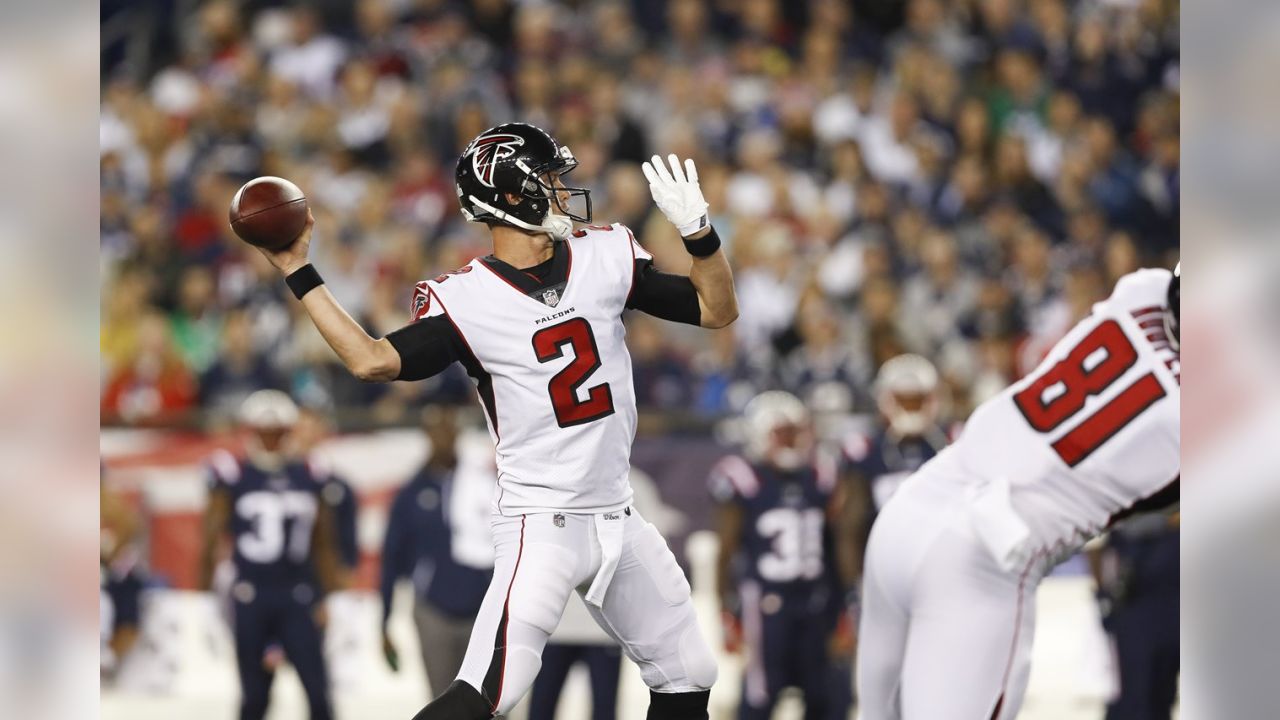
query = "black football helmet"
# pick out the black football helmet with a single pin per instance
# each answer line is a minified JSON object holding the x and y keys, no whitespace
{"x":523,"y":160}
{"x":1173,"y":317}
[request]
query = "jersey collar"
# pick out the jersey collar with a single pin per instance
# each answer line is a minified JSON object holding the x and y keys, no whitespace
{"x":526,"y":281}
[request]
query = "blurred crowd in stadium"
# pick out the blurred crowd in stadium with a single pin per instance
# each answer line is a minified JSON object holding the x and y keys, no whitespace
{"x":959,"y":178}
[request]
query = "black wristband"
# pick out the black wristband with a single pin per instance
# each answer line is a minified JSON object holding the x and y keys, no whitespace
{"x":705,"y":246}
{"x":303,"y":280}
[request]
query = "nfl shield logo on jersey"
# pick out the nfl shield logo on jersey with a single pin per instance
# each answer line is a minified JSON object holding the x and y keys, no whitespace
{"x":551,"y":297}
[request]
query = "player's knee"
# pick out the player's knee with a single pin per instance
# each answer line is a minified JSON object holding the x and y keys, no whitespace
{"x":691,"y":666}
{"x":699,"y":662}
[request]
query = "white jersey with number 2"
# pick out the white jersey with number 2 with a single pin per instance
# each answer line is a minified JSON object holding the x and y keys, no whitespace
{"x":555,"y":379}
{"x":1093,"y":430}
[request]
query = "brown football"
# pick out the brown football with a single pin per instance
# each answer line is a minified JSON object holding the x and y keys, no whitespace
{"x":268,"y":212}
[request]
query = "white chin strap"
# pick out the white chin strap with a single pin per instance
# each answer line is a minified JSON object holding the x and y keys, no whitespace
{"x":270,"y":460}
{"x":556,"y":225}
{"x":788,"y":458}
{"x":909,"y":423}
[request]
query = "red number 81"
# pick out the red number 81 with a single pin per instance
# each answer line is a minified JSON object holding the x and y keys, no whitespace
{"x":1078,"y":382}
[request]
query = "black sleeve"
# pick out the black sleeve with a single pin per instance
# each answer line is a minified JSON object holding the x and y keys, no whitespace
{"x":663,"y":295}
{"x":426,"y":347}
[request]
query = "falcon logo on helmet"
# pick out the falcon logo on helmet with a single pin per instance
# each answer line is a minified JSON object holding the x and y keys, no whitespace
{"x":486,"y":150}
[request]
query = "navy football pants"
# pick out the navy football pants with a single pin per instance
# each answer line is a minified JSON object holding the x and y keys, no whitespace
{"x":786,"y":645}
{"x":604,"y":665}
{"x":280,"y":615}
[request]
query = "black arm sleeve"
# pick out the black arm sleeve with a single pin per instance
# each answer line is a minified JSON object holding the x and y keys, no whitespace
{"x":663,"y":295}
{"x":426,"y":347}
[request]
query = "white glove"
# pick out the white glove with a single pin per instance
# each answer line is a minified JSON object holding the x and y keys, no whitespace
{"x":676,"y":193}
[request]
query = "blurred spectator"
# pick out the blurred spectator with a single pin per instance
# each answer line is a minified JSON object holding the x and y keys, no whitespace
{"x":996,"y":312}
{"x":1018,"y":102}
{"x":725,"y":376}
{"x":620,"y":135}
{"x":310,"y":58}
{"x":887,"y":142}
{"x":151,"y":384}
{"x":628,"y":195}
{"x":364,"y":113}
{"x":1122,"y":257}
{"x":880,"y":324}
{"x":152,"y":252}
{"x":821,"y":368}
{"x":1094,"y":75}
{"x":239,"y":370}
{"x":197,"y":322}
{"x":662,"y":378}
{"x":421,"y":544}
{"x":1032,"y":274}
{"x":121,"y":310}
{"x":1013,"y":179}
{"x":1046,"y":144}
{"x":767,"y":295}
{"x":940,"y":294}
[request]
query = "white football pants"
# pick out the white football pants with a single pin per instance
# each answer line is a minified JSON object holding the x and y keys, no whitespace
{"x":945,"y":633}
{"x":617,"y":559}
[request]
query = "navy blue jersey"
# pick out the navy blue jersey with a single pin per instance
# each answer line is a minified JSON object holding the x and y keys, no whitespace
{"x":419,"y":544}
{"x":786,"y":541}
{"x":273,"y":514}
{"x":885,"y":460}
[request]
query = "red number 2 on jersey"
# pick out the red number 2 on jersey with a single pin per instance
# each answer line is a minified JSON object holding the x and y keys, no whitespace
{"x":1060,"y":393}
{"x":548,"y":345}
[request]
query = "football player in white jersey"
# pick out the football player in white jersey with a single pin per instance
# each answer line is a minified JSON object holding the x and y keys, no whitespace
{"x":954,"y":558}
{"x":538,"y":325}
